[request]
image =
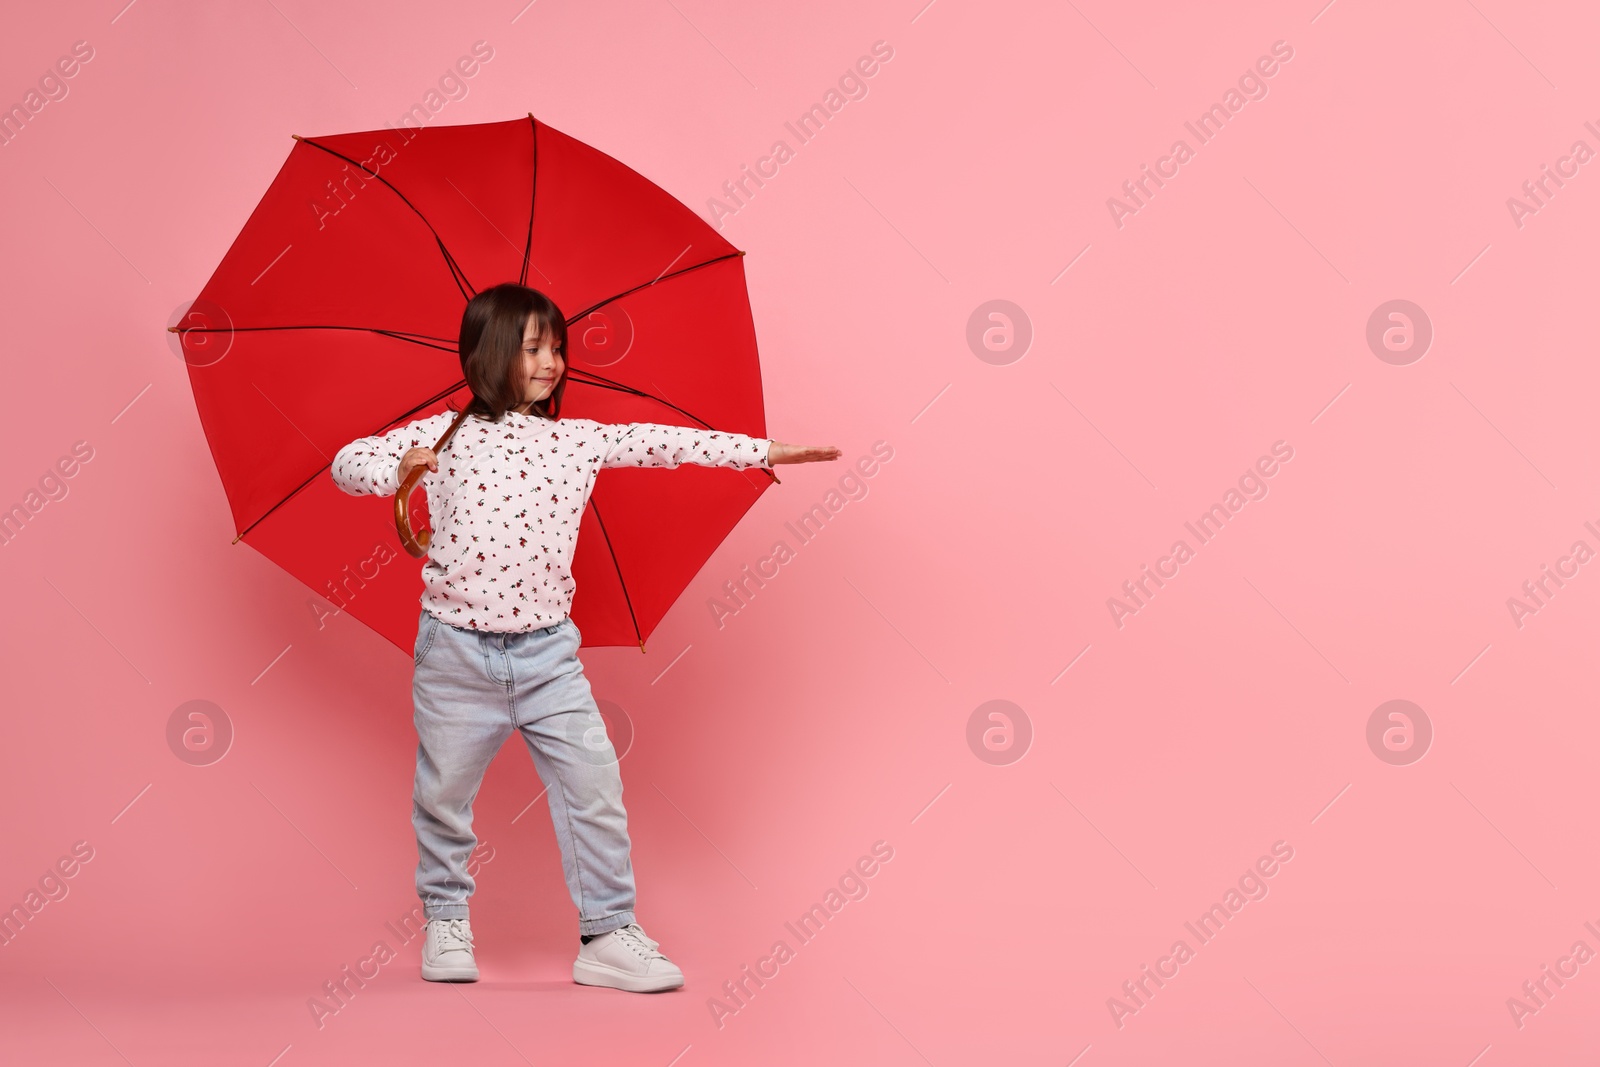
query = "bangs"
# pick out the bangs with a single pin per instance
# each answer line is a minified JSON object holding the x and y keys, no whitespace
{"x":548,"y":325}
{"x":542,"y":329}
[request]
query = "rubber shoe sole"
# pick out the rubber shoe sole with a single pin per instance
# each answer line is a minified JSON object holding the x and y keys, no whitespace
{"x":436,"y":973}
{"x":595,"y":973}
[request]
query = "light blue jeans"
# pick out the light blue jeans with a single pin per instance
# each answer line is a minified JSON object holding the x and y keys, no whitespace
{"x":471,"y":689}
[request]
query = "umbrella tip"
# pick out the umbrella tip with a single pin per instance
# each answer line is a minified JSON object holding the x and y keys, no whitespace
{"x":297,"y":137}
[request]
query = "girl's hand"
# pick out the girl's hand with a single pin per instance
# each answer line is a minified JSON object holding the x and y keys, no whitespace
{"x":416,"y":457}
{"x":782,"y":453}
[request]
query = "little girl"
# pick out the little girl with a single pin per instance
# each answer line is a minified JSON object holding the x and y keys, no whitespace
{"x":496,"y":649}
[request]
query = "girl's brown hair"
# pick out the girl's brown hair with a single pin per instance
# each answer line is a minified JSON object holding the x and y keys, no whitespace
{"x":491,"y":348}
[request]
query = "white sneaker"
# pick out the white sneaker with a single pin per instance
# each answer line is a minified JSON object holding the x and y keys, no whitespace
{"x":447,"y":952}
{"x":626,"y":959}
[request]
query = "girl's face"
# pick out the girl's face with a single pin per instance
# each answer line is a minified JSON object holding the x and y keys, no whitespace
{"x":541,"y":367}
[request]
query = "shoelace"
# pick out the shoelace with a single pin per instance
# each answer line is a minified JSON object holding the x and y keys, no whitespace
{"x":635,"y":938}
{"x":455,"y":934}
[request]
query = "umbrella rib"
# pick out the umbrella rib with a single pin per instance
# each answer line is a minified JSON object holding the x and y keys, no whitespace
{"x":607,"y":383}
{"x":466,"y":287}
{"x":533,"y":194}
{"x":292,"y":494}
{"x":617,"y":564}
{"x":399,"y":335}
{"x":657,"y":281}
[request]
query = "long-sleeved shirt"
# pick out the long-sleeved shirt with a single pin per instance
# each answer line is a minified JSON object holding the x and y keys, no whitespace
{"x":506,"y":502}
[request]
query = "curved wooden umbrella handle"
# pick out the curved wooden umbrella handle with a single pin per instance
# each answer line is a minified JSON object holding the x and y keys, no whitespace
{"x":417,"y":544}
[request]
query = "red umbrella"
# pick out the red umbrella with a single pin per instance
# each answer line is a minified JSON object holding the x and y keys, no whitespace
{"x":334,"y":315}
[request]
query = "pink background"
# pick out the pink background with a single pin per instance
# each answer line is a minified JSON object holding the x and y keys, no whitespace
{"x":832,"y":711}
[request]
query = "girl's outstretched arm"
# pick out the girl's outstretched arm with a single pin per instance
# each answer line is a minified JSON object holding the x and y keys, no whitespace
{"x":651,"y":444}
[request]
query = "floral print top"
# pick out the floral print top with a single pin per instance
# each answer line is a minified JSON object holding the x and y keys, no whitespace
{"x":506,"y":502}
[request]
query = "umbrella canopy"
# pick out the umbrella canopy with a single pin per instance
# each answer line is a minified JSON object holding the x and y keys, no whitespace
{"x":335,"y":315}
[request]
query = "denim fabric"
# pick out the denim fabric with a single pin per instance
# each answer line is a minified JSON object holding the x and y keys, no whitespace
{"x":471,"y":689}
